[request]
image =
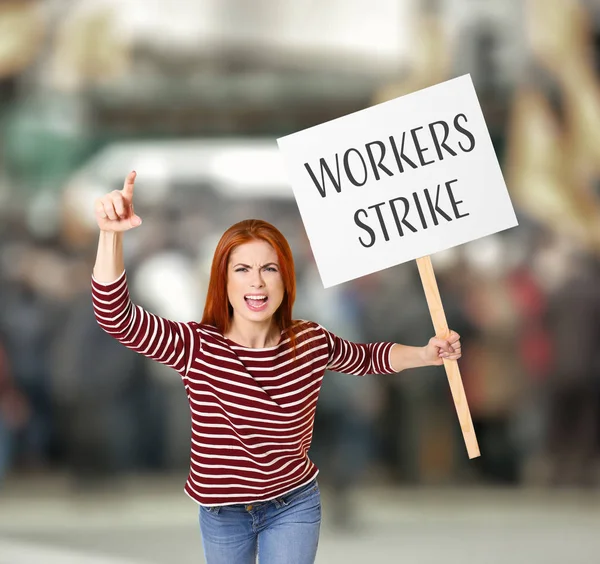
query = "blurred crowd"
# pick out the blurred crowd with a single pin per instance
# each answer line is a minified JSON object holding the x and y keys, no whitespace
{"x":526,"y":302}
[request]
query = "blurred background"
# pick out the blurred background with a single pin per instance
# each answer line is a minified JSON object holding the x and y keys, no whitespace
{"x":94,"y":439}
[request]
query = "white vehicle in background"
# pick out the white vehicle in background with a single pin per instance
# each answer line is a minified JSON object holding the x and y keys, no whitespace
{"x":192,"y":189}
{"x":233,"y":169}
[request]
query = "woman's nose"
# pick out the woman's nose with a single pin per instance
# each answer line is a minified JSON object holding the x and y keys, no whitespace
{"x":257,"y":281}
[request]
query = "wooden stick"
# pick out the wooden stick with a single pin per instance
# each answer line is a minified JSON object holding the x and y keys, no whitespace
{"x":452,"y":372}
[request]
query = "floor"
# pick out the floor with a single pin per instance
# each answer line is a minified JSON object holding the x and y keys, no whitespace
{"x":152,"y":521}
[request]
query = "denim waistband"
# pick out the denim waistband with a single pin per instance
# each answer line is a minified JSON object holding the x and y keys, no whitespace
{"x":284,"y":499}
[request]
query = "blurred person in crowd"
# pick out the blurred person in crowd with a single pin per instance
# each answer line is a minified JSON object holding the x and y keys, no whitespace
{"x":28,"y":323}
{"x":14,"y":413}
{"x":571,"y":278}
{"x":535,"y":352}
{"x":96,"y":386}
{"x":252,"y":376}
{"x":495,"y":374}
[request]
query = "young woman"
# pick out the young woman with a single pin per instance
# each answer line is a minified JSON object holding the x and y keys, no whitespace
{"x":252,"y":377}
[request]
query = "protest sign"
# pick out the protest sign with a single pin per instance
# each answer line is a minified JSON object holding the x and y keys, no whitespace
{"x":399,"y":181}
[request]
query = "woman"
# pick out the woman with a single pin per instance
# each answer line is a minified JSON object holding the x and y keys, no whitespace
{"x":252,"y":376}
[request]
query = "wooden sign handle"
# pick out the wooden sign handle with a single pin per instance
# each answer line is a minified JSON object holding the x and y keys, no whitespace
{"x":452,"y":372}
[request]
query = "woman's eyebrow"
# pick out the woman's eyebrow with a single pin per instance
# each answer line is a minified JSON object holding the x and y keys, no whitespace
{"x":248,"y":266}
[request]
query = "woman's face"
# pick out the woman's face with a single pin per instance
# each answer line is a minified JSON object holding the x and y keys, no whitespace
{"x":254,"y":284}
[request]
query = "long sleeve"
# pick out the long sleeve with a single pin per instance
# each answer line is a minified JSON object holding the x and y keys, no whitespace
{"x":168,"y":342}
{"x":358,"y":359}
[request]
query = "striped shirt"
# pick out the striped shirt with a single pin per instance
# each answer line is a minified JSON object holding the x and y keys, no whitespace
{"x":252,"y":410}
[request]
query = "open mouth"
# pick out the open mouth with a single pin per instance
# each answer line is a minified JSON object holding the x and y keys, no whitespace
{"x":256,"y":302}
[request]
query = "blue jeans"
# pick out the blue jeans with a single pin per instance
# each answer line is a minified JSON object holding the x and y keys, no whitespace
{"x":284,"y":530}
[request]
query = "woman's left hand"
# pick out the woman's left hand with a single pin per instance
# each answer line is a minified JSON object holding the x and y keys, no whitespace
{"x":439,"y":349}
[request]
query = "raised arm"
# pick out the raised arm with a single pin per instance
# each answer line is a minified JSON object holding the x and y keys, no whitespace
{"x":115,"y":215}
{"x":168,"y":342}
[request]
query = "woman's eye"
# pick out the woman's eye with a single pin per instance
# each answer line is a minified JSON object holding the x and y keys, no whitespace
{"x":241,"y":269}
{"x":271,"y":269}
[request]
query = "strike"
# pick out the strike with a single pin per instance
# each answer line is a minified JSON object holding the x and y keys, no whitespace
{"x":424,"y":211}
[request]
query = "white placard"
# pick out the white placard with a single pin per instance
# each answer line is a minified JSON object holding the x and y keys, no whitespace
{"x":397,"y":181}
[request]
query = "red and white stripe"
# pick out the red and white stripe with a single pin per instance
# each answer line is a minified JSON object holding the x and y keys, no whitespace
{"x":252,"y":409}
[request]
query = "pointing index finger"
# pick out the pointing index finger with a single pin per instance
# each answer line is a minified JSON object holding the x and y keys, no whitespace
{"x":128,"y":186}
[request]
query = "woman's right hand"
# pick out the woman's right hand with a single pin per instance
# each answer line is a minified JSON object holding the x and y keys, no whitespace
{"x":114,"y":212}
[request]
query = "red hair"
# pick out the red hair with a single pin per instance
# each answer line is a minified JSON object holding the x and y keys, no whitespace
{"x":217,"y":309}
